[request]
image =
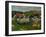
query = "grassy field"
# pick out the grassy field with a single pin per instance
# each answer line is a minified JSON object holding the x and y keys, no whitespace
{"x":18,"y":27}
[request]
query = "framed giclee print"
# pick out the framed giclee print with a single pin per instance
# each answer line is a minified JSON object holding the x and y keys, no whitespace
{"x":24,"y":18}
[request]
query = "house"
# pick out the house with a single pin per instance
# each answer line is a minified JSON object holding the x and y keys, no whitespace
{"x":19,"y":15}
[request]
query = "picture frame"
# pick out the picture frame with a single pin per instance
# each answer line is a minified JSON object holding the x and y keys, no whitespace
{"x":21,"y":10}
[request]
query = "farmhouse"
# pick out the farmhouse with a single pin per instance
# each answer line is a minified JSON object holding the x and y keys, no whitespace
{"x":19,"y":15}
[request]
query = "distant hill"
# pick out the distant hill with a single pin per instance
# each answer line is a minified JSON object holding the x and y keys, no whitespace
{"x":27,"y":12}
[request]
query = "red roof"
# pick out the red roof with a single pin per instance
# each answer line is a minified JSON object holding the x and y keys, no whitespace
{"x":18,"y":14}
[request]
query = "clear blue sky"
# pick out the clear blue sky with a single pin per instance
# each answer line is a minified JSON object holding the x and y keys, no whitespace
{"x":25,"y":8}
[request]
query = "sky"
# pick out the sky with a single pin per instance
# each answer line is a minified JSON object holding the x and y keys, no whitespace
{"x":25,"y":8}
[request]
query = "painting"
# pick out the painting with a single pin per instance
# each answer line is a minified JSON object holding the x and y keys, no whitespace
{"x":24,"y":18}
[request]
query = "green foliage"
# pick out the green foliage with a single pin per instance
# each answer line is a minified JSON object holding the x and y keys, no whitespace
{"x":28,"y":13}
